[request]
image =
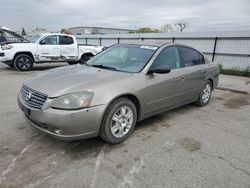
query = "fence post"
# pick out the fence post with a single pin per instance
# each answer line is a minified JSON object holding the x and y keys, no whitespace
{"x":215,"y":44}
{"x":173,"y":39}
{"x":118,"y":40}
{"x":100,"y":41}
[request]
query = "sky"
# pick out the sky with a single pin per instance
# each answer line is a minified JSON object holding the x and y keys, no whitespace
{"x":53,"y":15}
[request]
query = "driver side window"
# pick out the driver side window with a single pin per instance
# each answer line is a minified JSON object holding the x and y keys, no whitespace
{"x":50,"y":40}
{"x":168,"y":57}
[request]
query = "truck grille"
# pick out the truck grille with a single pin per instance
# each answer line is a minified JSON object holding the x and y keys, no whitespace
{"x":33,"y":98}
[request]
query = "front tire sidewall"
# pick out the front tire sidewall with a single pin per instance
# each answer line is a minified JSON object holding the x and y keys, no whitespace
{"x":20,"y":68}
{"x":105,"y":132}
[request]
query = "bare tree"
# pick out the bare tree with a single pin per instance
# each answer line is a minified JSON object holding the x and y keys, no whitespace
{"x":181,"y":26}
{"x":166,"y":28}
{"x":65,"y":31}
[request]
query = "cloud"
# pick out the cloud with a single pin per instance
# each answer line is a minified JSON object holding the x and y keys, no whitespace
{"x":56,"y":14}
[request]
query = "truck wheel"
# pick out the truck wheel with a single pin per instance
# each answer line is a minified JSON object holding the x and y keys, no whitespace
{"x":85,"y":58}
{"x":72,"y":63}
{"x":23,"y":62}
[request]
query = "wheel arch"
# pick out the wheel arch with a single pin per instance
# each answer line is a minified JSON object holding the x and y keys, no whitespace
{"x":87,"y":54}
{"x":212,"y":82}
{"x":133,"y":98}
{"x":26,"y":53}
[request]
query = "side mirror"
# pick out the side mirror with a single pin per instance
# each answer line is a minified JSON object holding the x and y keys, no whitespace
{"x":42,"y":42}
{"x":159,"y":70}
{"x":104,"y":48}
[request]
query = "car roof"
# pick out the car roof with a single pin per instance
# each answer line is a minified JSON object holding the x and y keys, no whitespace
{"x":157,"y":44}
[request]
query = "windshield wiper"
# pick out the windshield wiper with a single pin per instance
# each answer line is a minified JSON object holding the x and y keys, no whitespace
{"x":104,"y":67}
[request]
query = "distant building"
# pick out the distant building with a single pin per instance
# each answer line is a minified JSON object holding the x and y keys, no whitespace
{"x":98,"y":30}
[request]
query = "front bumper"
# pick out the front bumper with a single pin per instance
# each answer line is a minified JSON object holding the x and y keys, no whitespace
{"x":6,"y":56}
{"x":64,"y":124}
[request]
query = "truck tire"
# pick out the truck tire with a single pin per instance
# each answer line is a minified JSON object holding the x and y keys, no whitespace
{"x":85,"y":58}
{"x":72,"y":63}
{"x":23,"y":62}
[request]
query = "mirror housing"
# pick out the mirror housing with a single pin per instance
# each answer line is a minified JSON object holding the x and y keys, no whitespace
{"x":159,"y":70}
{"x":42,"y":42}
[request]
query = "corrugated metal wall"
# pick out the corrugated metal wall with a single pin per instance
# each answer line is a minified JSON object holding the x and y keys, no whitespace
{"x":228,"y":48}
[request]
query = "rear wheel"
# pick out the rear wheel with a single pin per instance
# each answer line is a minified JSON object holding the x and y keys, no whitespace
{"x":119,"y":121}
{"x":72,"y":63}
{"x":23,"y":62}
{"x":205,"y":94}
{"x":85,"y":58}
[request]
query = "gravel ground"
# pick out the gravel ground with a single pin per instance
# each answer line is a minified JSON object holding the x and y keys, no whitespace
{"x":186,"y":147}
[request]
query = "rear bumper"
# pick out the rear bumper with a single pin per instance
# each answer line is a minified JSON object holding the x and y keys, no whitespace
{"x":64,"y":124}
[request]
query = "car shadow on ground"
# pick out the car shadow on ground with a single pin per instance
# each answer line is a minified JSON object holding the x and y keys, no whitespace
{"x":81,"y":149}
{"x":35,"y":68}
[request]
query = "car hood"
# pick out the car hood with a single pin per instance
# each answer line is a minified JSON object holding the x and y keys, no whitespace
{"x":64,"y":80}
{"x":22,"y":44}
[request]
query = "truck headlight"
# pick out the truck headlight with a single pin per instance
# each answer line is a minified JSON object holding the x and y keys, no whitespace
{"x":6,"y":47}
{"x":73,"y":101}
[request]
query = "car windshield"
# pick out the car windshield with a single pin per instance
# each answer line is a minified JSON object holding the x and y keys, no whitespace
{"x":123,"y":57}
{"x":34,"y":38}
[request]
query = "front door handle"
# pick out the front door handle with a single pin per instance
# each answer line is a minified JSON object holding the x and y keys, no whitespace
{"x":182,"y":78}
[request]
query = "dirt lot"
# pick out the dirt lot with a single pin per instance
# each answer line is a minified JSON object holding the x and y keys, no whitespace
{"x":186,"y":147}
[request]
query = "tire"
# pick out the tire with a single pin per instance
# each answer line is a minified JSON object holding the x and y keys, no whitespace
{"x":72,"y":63}
{"x":205,"y":94}
{"x":23,"y":62}
{"x":85,"y":58}
{"x":121,"y":123}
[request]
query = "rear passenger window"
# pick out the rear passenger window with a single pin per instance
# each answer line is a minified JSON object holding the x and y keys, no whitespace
{"x":66,"y":40}
{"x":191,"y":57}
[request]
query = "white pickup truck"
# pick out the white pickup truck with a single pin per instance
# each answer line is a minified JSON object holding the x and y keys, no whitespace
{"x":45,"y":48}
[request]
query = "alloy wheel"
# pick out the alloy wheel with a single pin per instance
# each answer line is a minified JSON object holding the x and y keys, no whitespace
{"x":206,"y":92}
{"x":24,"y":63}
{"x":122,"y":121}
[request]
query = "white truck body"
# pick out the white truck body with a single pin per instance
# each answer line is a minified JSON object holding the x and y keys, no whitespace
{"x":48,"y":48}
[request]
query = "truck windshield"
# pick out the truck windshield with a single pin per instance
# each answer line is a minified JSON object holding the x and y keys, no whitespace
{"x":34,"y":38}
{"x":123,"y":57}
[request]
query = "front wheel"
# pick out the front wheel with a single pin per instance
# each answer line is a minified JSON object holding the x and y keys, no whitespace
{"x":205,"y":94}
{"x":119,"y":121}
{"x":23,"y":62}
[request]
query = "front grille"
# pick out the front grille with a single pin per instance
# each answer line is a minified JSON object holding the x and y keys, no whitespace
{"x":33,"y":98}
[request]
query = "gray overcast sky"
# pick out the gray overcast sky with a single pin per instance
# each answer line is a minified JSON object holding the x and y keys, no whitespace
{"x":57,"y":14}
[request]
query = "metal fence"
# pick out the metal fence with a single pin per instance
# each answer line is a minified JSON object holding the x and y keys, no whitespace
{"x":230,"y":49}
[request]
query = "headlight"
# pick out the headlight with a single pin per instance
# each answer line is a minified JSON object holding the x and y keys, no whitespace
{"x":6,"y":47}
{"x":73,"y":101}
